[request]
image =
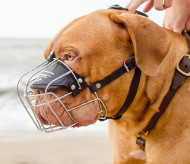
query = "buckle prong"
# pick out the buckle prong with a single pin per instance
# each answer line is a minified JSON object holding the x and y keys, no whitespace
{"x":181,"y":71}
{"x":126,"y":67}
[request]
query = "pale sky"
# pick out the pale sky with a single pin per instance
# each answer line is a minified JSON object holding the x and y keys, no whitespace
{"x":44,"y":18}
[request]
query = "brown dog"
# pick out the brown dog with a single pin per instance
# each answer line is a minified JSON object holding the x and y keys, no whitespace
{"x":96,"y":45}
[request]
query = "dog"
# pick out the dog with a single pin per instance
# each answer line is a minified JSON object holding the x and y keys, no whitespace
{"x":96,"y":45}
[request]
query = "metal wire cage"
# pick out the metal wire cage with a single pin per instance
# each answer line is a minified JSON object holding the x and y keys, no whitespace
{"x":31,"y":100}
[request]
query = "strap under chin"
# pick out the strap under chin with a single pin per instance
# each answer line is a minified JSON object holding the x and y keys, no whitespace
{"x":131,"y":95}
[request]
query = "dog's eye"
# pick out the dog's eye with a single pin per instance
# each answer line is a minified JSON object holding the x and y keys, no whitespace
{"x":70,"y":58}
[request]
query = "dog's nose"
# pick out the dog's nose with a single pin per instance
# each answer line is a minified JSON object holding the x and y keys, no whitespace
{"x":38,"y":91}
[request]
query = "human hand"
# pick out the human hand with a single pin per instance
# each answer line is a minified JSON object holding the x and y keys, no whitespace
{"x":177,"y":18}
{"x":157,"y":4}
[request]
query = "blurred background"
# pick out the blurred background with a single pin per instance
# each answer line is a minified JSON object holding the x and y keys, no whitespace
{"x":26,"y":27}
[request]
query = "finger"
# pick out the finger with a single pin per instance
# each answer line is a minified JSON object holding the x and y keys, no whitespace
{"x":179,"y":26}
{"x":167,"y":3}
{"x":174,"y":27}
{"x":129,"y":4}
{"x":162,"y":4}
{"x":166,"y":22}
{"x":135,"y":4}
{"x":178,"y":30}
{"x":168,"y":26}
{"x":148,"y":6}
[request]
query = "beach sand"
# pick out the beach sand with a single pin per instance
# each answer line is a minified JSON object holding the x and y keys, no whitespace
{"x":57,"y":150}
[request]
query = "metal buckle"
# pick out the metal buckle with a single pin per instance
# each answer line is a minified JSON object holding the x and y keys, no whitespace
{"x":51,"y":56}
{"x":146,"y":133}
{"x":126,"y":67}
{"x":141,"y":142}
{"x":131,"y":60}
{"x":181,"y":71}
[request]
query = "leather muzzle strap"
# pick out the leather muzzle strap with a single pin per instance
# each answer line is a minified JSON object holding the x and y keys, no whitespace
{"x":181,"y":73}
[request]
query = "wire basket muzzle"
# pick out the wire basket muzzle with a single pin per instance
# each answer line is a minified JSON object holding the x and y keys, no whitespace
{"x":47,"y":79}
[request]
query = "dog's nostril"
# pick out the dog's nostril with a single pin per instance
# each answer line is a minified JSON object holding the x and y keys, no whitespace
{"x":38,"y":91}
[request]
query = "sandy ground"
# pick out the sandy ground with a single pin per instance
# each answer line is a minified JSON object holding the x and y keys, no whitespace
{"x":57,"y":150}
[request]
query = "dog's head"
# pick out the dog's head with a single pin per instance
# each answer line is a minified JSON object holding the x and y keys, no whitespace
{"x":94,"y":46}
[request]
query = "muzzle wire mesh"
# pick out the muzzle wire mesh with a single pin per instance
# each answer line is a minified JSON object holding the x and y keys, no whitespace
{"x":32,"y":99}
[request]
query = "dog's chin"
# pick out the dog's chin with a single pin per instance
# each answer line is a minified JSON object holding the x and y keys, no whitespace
{"x":86,"y":122}
{"x":81,"y":116}
{"x":78,"y":125}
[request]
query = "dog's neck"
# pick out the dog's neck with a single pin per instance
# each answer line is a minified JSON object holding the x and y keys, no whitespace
{"x":158,"y":86}
{"x":153,"y":89}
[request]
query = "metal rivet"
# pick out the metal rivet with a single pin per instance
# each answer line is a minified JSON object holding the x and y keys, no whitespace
{"x":73,"y":87}
{"x":80,"y":80}
{"x":98,"y":85}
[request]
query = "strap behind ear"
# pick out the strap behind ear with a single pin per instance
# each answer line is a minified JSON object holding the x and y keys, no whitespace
{"x":151,"y":42}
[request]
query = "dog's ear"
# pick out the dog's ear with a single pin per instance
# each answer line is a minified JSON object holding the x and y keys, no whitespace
{"x":52,"y":42}
{"x":151,"y":42}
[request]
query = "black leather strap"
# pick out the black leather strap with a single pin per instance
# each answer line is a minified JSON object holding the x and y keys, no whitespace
{"x":127,"y":67}
{"x":132,"y":92}
{"x":131,"y":95}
